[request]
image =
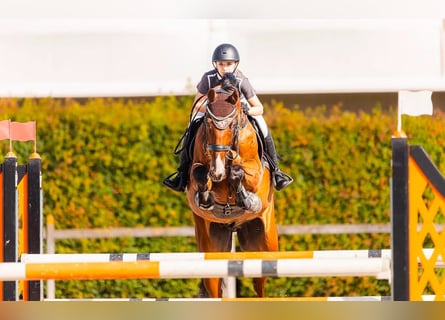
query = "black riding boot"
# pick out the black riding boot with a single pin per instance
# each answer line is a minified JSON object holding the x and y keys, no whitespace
{"x":179,"y":182}
{"x":280,"y":179}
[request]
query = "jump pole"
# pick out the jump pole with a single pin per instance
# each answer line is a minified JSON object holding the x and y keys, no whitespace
{"x":379,"y":268}
{"x":193,"y":256}
{"x":250,"y":299}
{"x":164,"y":256}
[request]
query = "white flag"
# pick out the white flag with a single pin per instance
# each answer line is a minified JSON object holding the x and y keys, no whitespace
{"x":415,"y":103}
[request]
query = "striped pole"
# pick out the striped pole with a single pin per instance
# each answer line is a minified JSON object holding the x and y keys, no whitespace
{"x":172,"y":256}
{"x":163,"y":256}
{"x":377,"y":267}
{"x":285,"y":299}
{"x":265,"y":299}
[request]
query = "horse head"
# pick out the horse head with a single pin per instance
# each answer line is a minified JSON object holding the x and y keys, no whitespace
{"x":222,"y":125}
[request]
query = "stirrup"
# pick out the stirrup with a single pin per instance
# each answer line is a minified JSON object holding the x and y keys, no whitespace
{"x":171,"y":175}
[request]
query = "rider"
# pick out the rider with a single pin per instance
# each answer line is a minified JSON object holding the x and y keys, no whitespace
{"x":225,"y":60}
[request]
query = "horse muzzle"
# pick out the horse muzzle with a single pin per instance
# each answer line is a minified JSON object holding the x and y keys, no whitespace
{"x":217,"y":170}
{"x":217,"y":176}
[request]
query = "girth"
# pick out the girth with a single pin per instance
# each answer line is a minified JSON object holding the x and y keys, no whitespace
{"x":227,"y":211}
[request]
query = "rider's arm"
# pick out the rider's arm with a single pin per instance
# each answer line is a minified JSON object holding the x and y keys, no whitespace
{"x":256,"y":107}
{"x":200,"y":100}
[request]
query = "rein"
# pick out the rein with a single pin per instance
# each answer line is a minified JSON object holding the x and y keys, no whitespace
{"x":180,"y":146}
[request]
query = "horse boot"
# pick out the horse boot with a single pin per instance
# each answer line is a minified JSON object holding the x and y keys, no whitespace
{"x":280,"y":179}
{"x":179,"y":182}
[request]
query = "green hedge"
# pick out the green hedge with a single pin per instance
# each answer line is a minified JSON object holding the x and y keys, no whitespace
{"x":103,"y":162}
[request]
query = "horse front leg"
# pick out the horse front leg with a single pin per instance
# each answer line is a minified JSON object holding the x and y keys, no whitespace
{"x":212,"y":237}
{"x":248,"y":200}
{"x":203,"y":197}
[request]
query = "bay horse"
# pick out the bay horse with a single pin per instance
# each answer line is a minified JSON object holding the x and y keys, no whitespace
{"x":230,"y":187}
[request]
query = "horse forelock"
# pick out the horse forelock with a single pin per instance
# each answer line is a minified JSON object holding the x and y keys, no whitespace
{"x":221,"y":106}
{"x":221,"y":103}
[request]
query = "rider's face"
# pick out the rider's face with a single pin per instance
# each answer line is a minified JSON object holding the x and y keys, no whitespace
{"x":224,"y":67}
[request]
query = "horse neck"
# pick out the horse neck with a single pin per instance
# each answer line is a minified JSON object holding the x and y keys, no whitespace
{"x":247,"y":140}
{"x":199,"y":154}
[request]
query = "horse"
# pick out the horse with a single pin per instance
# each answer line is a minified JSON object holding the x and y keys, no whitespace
{"x":230,"y":187}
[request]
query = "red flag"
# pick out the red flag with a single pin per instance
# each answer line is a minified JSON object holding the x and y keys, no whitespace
{"x":4,"y":129}
{"x":23,"y":131}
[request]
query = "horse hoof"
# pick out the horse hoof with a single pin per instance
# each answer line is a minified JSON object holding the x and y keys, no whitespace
{"x":203,"y":206}
{"x":208,"y":207}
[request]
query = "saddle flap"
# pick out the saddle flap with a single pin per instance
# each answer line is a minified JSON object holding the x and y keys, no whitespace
{"x":260,"y":139}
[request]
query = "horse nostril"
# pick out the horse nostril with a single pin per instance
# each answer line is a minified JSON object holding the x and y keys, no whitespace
{"x":216,"y":177}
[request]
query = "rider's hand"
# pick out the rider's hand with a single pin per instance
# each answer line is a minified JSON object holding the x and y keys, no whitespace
{"x":245,"y":106}
{"x":229,"y":82}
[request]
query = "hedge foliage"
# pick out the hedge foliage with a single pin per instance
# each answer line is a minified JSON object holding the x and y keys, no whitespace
{"x":103,"y":162}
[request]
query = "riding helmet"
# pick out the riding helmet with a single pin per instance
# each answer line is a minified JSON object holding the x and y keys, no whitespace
{"x":225,"y":52}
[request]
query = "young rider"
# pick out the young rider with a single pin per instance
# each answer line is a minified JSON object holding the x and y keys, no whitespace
{"x":225,"y":60}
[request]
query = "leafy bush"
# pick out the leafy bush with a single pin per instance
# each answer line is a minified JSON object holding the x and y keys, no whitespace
{"x":103,"y":162}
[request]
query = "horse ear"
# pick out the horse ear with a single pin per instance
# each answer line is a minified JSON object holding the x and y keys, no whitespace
{"x":234,"y":97}
{"x":211,"y":94}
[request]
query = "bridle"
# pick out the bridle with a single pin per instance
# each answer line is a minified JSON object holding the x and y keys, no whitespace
{"x":235,"y":121}
{"x":222,"y":123}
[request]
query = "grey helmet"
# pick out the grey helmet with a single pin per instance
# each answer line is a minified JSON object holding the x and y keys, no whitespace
{"x":225,"y":52}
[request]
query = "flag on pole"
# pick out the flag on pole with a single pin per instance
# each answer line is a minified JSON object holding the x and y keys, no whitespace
{"x":414,"y":103}
{"x":23,"y":131}
{"x":4,"y":129}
